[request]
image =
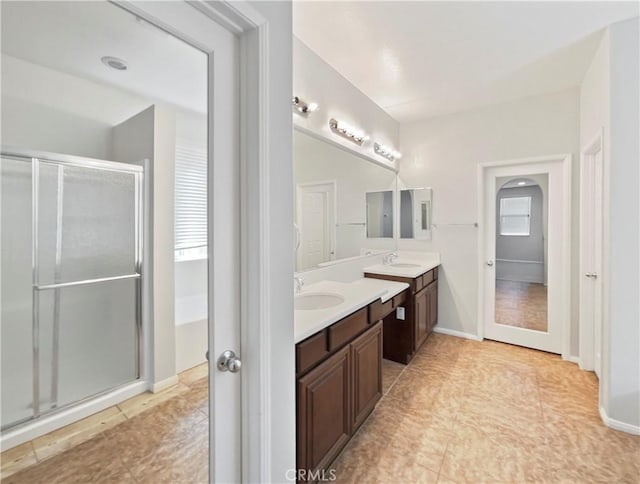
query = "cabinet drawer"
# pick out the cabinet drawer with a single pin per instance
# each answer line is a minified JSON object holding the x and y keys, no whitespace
{"x":419,"y":284}
{"x":427,"y":278}
{"x":344,"y":331}
{"x":379,"y":310}
{"x":311,"y":351}
{"x":399,"y":299}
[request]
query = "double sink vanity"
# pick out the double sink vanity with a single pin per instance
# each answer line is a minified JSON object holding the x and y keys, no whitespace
{"x":343,"y":330}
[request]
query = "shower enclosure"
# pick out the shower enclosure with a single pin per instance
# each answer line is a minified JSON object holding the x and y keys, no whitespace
{"x":70,"y":280}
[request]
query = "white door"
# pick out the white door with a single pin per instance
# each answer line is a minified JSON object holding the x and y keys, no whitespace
{"x":222,"y":48}
{"x":316,"y":222}
{"x":591,"y":235}
{"x":552,"y":339}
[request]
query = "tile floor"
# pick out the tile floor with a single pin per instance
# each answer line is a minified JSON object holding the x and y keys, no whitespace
{"x":466,"y":411}
{"x":521,"y":304}
{"x":151,"y":438}
{"x":462,"y":411}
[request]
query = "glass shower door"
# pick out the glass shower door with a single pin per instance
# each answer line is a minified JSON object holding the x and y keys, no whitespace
{"x":70,"y":281}
{"x":16,"y":335}
{"x":87,"y":286}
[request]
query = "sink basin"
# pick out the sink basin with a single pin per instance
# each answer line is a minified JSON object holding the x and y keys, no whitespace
{"x":310,"y":301}
{"x":404,"y":265}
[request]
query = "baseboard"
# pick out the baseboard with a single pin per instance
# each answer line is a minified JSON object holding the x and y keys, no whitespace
{"x":457,"y":334}
{"x":163,"y":384}
{"x":573,"y":359}
{"x":617,"y":425}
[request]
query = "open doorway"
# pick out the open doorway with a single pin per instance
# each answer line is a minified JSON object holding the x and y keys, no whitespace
{"x":521,"y":252}
{"x":114,"y":347}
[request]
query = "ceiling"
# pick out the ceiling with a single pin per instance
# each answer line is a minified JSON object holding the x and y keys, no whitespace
{"x":72,"y":37}
{"x":422,"y":59}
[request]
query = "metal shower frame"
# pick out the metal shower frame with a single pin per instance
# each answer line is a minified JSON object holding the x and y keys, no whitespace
{"x":59,"y":160}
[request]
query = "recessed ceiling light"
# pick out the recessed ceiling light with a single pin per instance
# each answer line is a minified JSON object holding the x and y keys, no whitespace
{"x":114,"y":63}
{"x":521,"y":183}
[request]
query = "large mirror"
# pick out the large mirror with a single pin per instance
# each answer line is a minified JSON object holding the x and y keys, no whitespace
{"x":415,"y":213}
{"x":344,"y":204}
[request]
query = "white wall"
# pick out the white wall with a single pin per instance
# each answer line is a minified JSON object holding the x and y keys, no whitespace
{"x":609,"y":102}
{"x":151,"y":135}
{"x":623,"y":338}
{"x":316,"y":81}
{"x":443,"y":153}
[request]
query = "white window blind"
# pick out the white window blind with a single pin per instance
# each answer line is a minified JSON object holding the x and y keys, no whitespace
{"x":515,"y":216}
{"x":190,"y":201}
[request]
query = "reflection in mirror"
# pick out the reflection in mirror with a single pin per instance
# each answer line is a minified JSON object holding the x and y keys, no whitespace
{"x":331,"y":187}
{"x":380,"y":214}
{"x":415,"y":213}
{"x":521,"y":227}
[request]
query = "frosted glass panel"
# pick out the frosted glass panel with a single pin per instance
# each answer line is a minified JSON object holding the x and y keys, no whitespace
{"x":87,"y":220}
{"x":96,"y":340}
{"x":16,"y":323}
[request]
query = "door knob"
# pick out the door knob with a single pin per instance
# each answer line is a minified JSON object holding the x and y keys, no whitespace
{"x":228,"y":361}
{"x":490,"y":263}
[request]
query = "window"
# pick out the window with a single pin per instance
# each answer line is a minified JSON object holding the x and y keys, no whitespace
{"x":515,"y":216}
{"x":190,"y":202}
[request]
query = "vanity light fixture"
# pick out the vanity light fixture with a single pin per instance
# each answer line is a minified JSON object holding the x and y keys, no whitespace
{"x":302,"y":107}
{"x":387,"y":152}
{"x":349,"y":132}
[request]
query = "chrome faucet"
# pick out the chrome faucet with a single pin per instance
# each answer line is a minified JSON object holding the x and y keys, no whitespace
{"x":299,"y":283}
{"x":389,"y":258}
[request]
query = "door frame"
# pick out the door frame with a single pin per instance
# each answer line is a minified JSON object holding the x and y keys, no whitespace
{"x":249,"y":162}
{"x":333,"y":211}
{"x":587,"y":341}
{"x":483,"y":167}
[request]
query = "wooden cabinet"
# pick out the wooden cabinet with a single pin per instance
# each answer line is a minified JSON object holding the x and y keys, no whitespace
{"x":324,"y":412}
{"x":336,"y":394}
{"x":366,"y":364}
{"x":403,"y":338}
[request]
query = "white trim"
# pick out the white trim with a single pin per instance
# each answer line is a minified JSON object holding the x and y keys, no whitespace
{"x":617,"y":424}
{"x":566,"y":236}
{"x":457,"y":334}
{"x":35,"y":428}
{"x":163,"y":384}
{"x":573,"y":359}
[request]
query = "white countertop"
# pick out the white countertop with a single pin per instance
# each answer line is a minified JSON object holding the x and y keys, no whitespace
{"x":417,"y":268}
{"x":356,"y":294}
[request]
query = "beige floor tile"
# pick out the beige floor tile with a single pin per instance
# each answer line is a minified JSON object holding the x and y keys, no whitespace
{"x":16,"y":459}
{"x":67,"y":437}
{"x":195,"y":374}
{"x":93,"y":461}
{"x":390,"y":373}
{"x":145,"y":401}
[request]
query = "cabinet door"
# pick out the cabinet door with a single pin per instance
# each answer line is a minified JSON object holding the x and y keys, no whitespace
{"x":366,"y":361}
{"x":433,"y":305}
{"x":324,"y":411}
{"x":421,"y":315}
